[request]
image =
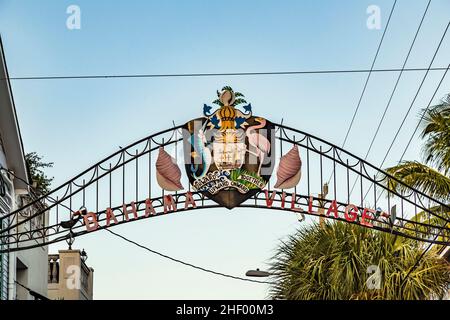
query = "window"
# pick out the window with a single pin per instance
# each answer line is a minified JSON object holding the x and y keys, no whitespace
{"x":5,"y":207}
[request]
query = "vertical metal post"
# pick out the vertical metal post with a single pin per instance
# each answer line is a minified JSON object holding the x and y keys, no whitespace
{"x":137,"y":176}
{"x":150,"y":168}
{"x":307,"y":165}
{"x":321,"y":210}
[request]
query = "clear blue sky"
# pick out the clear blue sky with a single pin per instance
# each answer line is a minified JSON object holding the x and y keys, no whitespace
{"x":127,"y":37}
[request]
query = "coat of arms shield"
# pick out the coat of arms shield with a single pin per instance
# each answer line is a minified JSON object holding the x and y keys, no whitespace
{"x":228,"y":153}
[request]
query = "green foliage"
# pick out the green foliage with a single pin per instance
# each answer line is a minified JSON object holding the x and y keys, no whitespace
{"x":331,"y":263}
{"x":239,"y":101}
{"x":425,"y":219}
{"x":432,"y":177}
{"x":236,"y":173}
{"x":436,"y":132}
{"x":239,"y":97}
{"x":41,"y":182}
{"x":420,"y":176}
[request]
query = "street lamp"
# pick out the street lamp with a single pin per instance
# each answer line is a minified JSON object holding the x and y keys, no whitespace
{"x":257,"y":273}
{"x":84,"y":256}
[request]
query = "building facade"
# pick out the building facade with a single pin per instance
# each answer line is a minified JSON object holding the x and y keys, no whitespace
{"x":69,"y":278}
{"x":23,"y":268}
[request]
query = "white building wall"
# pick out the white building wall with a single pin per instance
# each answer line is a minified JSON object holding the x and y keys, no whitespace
{"x":6,"y":202}
{"x":28,"y":267}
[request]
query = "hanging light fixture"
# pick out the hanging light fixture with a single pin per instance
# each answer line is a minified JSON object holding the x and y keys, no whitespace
{"x":84,"y":255}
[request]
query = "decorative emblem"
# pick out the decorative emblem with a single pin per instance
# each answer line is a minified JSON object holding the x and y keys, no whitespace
{"x":228,"y":152}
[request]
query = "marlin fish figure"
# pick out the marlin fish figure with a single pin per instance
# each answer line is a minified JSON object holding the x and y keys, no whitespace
{"x":200,"y":148}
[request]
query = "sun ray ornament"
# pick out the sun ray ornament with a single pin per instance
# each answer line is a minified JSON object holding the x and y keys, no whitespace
{"x":228,"y":152}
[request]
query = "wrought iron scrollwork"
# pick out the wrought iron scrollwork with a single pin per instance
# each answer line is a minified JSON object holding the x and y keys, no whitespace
{"x":59,"y":204}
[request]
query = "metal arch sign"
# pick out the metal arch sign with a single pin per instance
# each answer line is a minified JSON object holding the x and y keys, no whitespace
{"x":228,"y":157}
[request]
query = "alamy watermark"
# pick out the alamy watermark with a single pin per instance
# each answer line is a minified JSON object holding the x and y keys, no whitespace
{"x":73,"y":281}
{"x":373,"y":281}
{"x":73,"y":21}
{"x":374,"y":19}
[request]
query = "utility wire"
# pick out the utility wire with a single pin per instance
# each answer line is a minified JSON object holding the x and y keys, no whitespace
{"x":416,"y":264}
{"x":412,"y":102}
{"x":31,"y":188}
{"x":224,"y":74}
{"x":161,"y":254}
{"x":401,"y":158}
{"x":415,"y":130}
{"x":423,"y":114}
{"x":415,"y":97}
{"x":186,"y":263}
{"x":368,"y":76}
{"x":394,"y":89}
{"x":365,"y":84}
{"x":35,"y":294}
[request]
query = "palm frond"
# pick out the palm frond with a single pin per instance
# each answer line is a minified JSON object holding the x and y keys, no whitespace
{"x":239,"y":101}
{"x":436,"y":131}
{"x":331,"y":262}
{"x":421,"y":177}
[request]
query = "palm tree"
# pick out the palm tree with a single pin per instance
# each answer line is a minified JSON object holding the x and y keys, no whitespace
{"x":332,"y":262}
{"x":433,"y":176}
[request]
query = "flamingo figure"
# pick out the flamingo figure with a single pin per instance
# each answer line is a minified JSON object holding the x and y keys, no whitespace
{"x":258,"y":141}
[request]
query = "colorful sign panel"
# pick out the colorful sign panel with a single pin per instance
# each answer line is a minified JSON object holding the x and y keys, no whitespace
{"x":229,"y":153}
{"x":229,"y":156}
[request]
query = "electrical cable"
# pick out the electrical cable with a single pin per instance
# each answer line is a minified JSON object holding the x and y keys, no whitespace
{"x":394,"y":89}
{"x":416,"y":264}
{"x":415,"y":97}
{"x":366,"y":82}
{"x":186,"y":263}
{"x":412,"y":102}
{"x":35,"y":294}
{"x":161,"y":254}
{"x":222,"y":74}
{"x":423,"y":115}
{"x":417,"y":126}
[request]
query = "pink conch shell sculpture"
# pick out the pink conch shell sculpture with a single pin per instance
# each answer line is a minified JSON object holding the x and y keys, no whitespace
{"x":290,"y":170}
{"x":168,"y":174}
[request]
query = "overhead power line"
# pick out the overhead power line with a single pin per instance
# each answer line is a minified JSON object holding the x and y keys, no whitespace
{"x":368,"y":76}
{"x":222,"y":74}
{"x":398,"y":80}
{"x":423,"y":114}
{"x":395,"y":88}
{"x":416,"y":264}
{"x":366,"y":82}
{"x":412,"y":103}
{"x":415,"y":96}
{"x":33,"y":293}
{"x":161,"y":254}
{"x":186,"y":263}
{"x":417,"y":127}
